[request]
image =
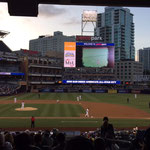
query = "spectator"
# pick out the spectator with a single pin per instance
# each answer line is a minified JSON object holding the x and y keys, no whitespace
{"x":147,"y":140}
{"x":23,"y":142}
{"x":79,"y":143}
{"x":107,"y":130}
{"x":9,"y":138}
{"x":2,"y":141}
{"x":46,"y":139}
{"x":38,"y":140}
{"x":60,"y":142}
{"x":99,"y":144}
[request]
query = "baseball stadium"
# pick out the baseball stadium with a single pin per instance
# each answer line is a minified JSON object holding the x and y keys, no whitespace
{"x":70,"y":99}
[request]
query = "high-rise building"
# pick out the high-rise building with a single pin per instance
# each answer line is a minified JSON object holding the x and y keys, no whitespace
{"x":116,"y":25}
{"x":144,"y":57}
{"x":54,"y":43}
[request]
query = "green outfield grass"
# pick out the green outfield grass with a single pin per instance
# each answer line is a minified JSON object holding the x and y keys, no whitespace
{"x":140,"y":102}
{"x":69,"y":110}
{"x":44,"y":110}
{"x":60,"y":123}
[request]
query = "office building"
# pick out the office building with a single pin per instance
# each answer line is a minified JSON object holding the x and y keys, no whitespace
{"x":116,"y":25}
{"x":126,"y":71}
{"x":54,"y":43}
{"x":144,"y":58}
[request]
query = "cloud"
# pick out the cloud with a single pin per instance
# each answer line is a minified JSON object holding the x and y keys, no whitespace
{"x":50,"y":11}
{"x":73,"y":21}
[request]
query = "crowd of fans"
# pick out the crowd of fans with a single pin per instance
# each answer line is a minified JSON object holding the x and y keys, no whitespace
{"x":92,"y":140}
{"x":8,"y":89}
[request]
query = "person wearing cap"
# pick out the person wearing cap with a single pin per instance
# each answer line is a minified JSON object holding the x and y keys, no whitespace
{"x":107,"y":129}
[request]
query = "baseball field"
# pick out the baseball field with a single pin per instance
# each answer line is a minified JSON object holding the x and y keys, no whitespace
{"x":62,"y":110}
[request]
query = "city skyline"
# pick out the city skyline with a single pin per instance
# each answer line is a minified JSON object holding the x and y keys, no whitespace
{"x":53,"y":18}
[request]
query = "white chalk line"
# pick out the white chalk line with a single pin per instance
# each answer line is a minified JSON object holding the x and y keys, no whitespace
{"x":79,"y":121}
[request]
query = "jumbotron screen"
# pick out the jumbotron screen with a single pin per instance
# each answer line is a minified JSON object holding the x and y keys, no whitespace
{"x":95,"y":55}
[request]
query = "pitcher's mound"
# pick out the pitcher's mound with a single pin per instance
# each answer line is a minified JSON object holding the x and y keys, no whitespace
{"x":26,"y":109}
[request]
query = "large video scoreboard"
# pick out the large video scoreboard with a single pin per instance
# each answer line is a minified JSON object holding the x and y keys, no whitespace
{"x":82,"y":54}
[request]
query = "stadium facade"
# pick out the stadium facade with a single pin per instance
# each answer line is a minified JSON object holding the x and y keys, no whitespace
{"x":40,"y":72}
{"x":45,"y":44}
{"x":116,"y":26}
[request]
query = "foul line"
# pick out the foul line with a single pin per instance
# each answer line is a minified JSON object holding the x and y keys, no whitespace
{"x":80,"y":121}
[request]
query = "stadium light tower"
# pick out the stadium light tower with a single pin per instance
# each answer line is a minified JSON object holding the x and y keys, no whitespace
{"x":3,"y":33}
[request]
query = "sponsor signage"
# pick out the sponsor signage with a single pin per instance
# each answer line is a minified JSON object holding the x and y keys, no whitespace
{"x":88,"y":38}
{"x":123,"y":91}
{"x":100,"y":91}
{"x":17,"y":74}
{"x":112,"y":91}
{"x":11,"y":73}
{"x":30,"y":52}
{"x":94,"y":44}
{"x":69,"y":54}
{"x":59,"y":90}
{"x":73,"y":90}
{"x":136,"y":91}
{"x":5,"y":73}
{"x":90,"y":82}
{"x":87,"y":91}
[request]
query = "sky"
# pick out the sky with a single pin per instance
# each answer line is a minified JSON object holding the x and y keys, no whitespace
{"x":67,"y":19}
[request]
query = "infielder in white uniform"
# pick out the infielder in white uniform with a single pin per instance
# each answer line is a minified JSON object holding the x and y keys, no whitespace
{"x":135,"y":96}
{"x":15,"y":100}
{"x":87,"y":113}
{"x":22,"y":105}
{"x":77,"y":98}
{"x":80,"y":97}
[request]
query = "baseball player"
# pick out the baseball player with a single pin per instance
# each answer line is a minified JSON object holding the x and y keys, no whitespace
{"x":78,"y":98}
{"x":87,"y":113}
{"x":15,"y":100}
{"x":22,"y":105}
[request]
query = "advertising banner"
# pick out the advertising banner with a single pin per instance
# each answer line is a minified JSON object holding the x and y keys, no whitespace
{"x":87,"y":91}
{"x":46,"y":90}
{"x":112,"y":91}
{"x":59,"y":90}
{"x":136,"y":91}
{"x":100,"y":91}
{"x":73,"y":90}
{"x":90,"y":82}
{"x":123,"y":91}
{"x":69,"y":54}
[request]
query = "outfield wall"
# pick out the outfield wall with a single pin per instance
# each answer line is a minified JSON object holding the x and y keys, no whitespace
{"x":145,"y":91}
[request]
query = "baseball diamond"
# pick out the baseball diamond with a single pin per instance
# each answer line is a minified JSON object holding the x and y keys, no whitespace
{"x":71,"y":113}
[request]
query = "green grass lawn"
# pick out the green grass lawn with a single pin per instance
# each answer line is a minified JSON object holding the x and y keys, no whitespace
{"x":117,"y":123}
{"x":141,"y":102}
{"x":44,"y":110}
{"x":69,"y":110}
